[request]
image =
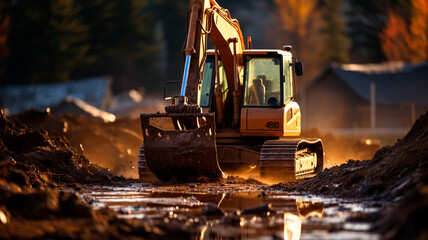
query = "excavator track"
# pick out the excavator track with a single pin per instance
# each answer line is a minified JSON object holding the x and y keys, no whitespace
{"x":291,"y":159}
{"x":143,"y":171}
{"x":280,"y":160}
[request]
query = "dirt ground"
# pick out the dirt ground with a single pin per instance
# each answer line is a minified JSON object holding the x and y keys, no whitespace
{"x":113,"y":146}
{"x":33,"y":165}
{"x":41,"y":154}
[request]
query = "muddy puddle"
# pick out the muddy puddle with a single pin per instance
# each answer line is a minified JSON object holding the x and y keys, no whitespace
{"x":234,"y":211}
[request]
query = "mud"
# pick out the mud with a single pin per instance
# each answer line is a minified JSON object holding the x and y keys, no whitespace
{"x":235,"y":211}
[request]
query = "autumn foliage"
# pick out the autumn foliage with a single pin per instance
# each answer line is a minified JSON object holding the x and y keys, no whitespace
{"x":393,"y":38}
{"x":418,"y":42}
{"x":401,"y":41}
{"x":4,"y":32}
{"x":302,"y":23}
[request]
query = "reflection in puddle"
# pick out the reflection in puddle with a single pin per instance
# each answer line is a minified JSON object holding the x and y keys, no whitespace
{"x":249,"y":212}
{"x":292,"y":226}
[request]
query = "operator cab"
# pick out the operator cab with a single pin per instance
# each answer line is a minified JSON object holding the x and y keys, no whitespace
{"x":266,"y":80}
{"x":264,"y":85}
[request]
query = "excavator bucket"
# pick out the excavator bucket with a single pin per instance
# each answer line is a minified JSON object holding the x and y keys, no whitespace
{"x":181,"y":146}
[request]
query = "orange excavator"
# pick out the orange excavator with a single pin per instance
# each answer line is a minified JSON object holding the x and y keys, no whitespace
{"x":236,"y":113}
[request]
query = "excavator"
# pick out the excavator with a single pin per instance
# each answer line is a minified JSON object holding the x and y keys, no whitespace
{"x":236,"y":113}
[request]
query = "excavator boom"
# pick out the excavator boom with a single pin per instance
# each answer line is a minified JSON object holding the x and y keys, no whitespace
{"x":188,"y":151}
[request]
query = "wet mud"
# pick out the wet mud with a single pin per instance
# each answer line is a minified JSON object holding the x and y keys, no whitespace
{"x":235,"y":211}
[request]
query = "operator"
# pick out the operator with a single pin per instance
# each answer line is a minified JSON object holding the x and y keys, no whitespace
{"x":257,"y":92}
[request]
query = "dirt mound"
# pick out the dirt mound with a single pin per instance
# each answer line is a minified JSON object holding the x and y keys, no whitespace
{"x":393,"y":170}
{"x":111,"y":145}
{"x":37,"y":152}
{"x":408,"y":219}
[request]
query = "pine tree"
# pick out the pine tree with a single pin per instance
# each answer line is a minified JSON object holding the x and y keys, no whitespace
{"x":172,"y":17}
{"x":55,"y":40}
{"x":4,"y":35}
{"x":136,"y":49}
{"x":70,"y":39}
{"x":335,"y":47}
{"x":366,"y":19}
{"x":121,"y":42}
{"x":301,"y":23}
{"x":46,"y":39}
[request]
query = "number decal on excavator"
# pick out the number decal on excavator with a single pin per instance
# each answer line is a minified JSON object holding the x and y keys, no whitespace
{"x":272,"y":124}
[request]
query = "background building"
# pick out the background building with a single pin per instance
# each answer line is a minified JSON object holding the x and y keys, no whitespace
{"x":379,"y":98}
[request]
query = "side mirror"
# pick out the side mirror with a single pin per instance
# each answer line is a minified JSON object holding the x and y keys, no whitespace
{"x":170,"y":92}
{"x":298,"y":68}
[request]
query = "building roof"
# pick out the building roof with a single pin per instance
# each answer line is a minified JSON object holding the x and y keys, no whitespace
{"x":395,"y":83}
{"x":18,"y":98}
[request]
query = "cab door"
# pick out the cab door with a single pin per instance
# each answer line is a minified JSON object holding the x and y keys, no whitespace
{"x":268,"y":98}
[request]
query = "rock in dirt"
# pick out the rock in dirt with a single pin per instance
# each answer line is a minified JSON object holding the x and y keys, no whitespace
{"x":233,"y":219}
{"x":212,"y":210}
{"x":258,"y":210}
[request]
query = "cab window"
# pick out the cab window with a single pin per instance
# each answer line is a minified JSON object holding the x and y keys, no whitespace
{"x":288,"y":80}
{"x":262,"y":81}
{"x":209,"y":81}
